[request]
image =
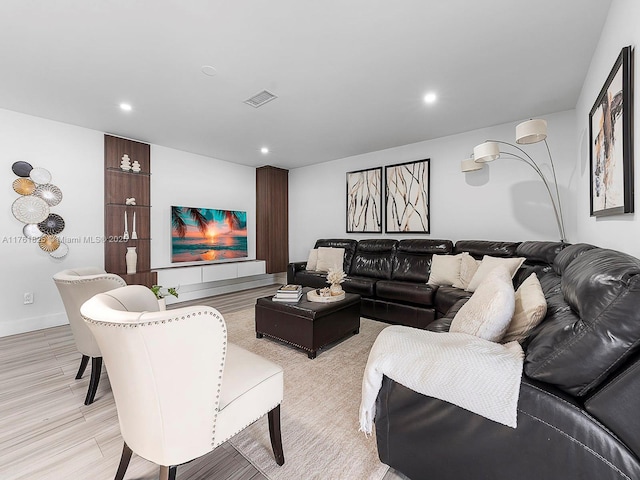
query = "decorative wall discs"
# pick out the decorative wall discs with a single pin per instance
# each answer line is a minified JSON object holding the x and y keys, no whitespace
{"x":21,"y":169}
{"x":24,"y":186}
{"x":49,"y":193}
{"x":52,"y":225}
{"x":40,"y":175}
{"x":31,"y":230}
{"x":49,"y":243}
{"x":30,"y":209}
{"x":61,"y":251}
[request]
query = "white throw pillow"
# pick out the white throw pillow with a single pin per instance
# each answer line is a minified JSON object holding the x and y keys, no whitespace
{"x":531,"y":308}
{"x":312,"y":261}
{"x":488,"y":312}
{"x":468,"y":268}
{"x":489,"y":263}
{"x":445,"y":269}
{"x":330,"y":258}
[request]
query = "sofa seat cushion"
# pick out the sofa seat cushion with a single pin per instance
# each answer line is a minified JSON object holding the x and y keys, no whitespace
{"x":363,"y":286}
{"x":579,"y":344}
{"x":406,"y":292}
{"x":446,"y":297}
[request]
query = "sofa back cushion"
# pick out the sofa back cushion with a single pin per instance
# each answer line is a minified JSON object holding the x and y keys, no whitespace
{"x":412,"y":260}
{"x":348,"y":244}
{"x":593,"y":319}
{"x":374,"y":258}
{"x":480,"y":248}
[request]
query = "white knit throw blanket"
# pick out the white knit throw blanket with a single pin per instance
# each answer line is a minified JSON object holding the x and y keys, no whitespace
{"x":475,"y":374}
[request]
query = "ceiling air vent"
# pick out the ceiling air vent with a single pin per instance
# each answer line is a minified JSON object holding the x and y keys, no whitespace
{"x":260,"y":99}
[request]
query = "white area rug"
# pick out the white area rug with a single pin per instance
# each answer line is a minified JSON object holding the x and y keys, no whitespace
{"x":319,"y":413}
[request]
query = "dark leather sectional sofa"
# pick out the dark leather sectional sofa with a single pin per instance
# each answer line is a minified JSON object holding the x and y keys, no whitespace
{"x":391,"y":275}
{"x":579,"y":405}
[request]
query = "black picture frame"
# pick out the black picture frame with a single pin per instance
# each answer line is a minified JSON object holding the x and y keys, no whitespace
{"x":611,"y":142}
{"x":407,"y":206}
{"x":364,"y":201}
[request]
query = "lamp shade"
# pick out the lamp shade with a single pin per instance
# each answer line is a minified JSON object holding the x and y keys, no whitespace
{"x":486,"y":152}
{"x":470,"y":165}
{"x":531,"y":131}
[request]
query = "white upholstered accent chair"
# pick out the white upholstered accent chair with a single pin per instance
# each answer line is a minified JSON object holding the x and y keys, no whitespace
{"x":76,"y":286}
{"x":180,"y":389}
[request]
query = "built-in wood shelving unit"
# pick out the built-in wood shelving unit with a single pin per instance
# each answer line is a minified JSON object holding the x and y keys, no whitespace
{"x":118,"y":186}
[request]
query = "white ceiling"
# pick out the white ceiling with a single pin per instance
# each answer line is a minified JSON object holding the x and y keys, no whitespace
{"x":350,"y":75}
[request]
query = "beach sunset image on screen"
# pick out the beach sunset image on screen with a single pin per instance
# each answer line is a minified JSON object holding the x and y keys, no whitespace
{"x":207,"y":234}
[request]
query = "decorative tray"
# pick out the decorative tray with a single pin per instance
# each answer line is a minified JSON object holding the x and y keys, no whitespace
{"x":314,"y":296}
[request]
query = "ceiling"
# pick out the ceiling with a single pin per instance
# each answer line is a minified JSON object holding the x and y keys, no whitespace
{"x":350,"y":75}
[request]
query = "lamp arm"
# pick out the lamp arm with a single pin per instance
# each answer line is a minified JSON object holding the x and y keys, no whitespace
{"x":529,"y":161}
{"x":555,"y":180}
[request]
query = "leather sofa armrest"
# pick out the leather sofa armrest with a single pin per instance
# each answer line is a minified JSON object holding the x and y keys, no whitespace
{"x":294,"y":267}
{"x":444,"y":323}
{"x":440,"y":325}
{"x":555,"y":439}
{"x":617,"y":403}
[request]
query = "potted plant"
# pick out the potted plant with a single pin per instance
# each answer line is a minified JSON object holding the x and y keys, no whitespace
{"x":160,"y":292}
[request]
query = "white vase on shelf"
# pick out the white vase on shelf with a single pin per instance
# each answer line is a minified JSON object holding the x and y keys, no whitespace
{"x":131,"y":258}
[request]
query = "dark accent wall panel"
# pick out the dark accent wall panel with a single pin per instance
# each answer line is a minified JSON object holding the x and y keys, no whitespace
{"x":272,"y":218}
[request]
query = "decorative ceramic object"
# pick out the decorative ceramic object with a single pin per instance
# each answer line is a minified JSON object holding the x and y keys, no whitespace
{"x":125,"y":163}
{"x":335,"y":278}
{"x":125,"y":235}
{"x":134,"y":234}
{"x":335,"y":289}
{"x":131,"y":259}
{"x":324,"y":296}
{"x":136,"y":166}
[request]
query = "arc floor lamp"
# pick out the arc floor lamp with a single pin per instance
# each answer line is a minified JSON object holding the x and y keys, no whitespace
{"x":531,"y":131}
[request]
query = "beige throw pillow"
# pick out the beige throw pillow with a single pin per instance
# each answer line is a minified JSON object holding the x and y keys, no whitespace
{"x":488,"y":312}
{"x":312,"y":261}
{"x":489,"y":263}
{"x":445,"y":270}
{"x":330,"y":258}
{"x":468,"y":268}
{"x":531,"y":308}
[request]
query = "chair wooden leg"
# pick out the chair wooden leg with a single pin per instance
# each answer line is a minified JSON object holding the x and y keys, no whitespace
{"x":168,"y":473}
{"x":83,"y":366}
{"x":125,"y":458}
{"x":274,"y":433}
{"x":96,"y":369}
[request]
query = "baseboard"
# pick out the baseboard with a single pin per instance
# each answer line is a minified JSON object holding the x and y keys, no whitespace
{"x":14,"y":327}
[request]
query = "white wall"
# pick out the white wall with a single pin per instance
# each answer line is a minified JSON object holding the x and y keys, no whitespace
{"x":186,"y":179}
{"x":504,"y":201}
{"x":620,"y":232}
{"x":75,"y":158}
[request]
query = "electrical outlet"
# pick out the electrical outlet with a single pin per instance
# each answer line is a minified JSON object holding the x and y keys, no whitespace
{"x":28,"y":298}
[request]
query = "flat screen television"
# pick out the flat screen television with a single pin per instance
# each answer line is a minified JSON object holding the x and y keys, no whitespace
{"x":207,"y":234}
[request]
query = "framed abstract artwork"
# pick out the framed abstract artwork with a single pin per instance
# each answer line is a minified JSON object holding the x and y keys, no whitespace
{"x":407,"y":199}
{"x":364,"y":201}
{"x":611,"y":141}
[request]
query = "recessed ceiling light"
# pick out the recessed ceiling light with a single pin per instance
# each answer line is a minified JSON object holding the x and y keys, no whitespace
{"x":126,"y":107}
{"x":209,"y":70}
{"x":264,"y":150}
{"x":430,"y":97}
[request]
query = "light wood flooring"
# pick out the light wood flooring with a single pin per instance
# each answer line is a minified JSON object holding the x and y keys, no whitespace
{"x":46,"y":432}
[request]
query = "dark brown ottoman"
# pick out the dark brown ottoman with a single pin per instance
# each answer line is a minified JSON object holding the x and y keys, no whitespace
{"x":308,"y":325}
